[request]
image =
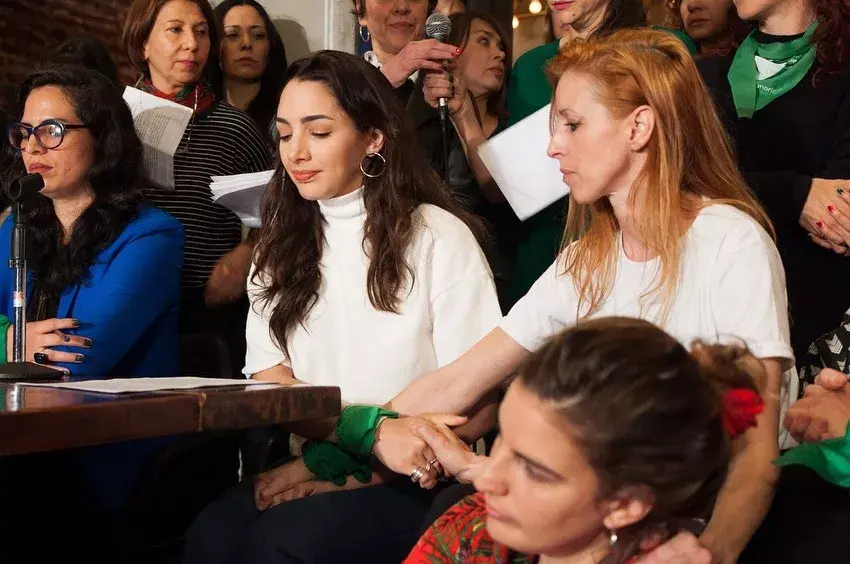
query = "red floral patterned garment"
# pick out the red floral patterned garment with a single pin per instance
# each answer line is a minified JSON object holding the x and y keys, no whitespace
{"x":460,"y":537}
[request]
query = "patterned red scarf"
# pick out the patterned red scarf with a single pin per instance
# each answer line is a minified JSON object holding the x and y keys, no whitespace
{"x":185,"y":96}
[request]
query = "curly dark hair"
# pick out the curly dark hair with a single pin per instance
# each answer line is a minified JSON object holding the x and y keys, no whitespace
{"x":289,"y":249}
{"x":622,"y":14}
{"x":832,"y":36}
{"x":115,"y":179}
{"x":644,"y":412}
{"x":87,"y":52}
{"x":262,"y":109}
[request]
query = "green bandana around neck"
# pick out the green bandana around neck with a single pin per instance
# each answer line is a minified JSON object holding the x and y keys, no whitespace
{"x":751,"y":94}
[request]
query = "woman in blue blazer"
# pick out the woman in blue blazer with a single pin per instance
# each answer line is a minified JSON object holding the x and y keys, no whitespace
{"x":104,"y":268}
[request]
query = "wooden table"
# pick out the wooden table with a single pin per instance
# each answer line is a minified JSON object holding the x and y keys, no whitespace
{"x":37,"y":419}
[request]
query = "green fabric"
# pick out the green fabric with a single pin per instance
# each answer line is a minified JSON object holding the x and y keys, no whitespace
{"x":330,"y":463}
{"x":4,"y":328}
{"x":355,"y":428}
{"x":540,"y":235}
{"x":682,"y":36}
{"x":751,"y":94}
{"x":830,"y":458}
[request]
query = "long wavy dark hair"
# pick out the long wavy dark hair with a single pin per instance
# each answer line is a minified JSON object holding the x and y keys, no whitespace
{"x":622,"y":14}
{"x":262,"y":109}
{"x":289,"y":249}
{"x":832,"y":36}
{"x":115,"y":179}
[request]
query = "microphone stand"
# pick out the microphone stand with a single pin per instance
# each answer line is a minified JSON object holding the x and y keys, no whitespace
{"x":19,"y":369}
{"x":444,"y":130}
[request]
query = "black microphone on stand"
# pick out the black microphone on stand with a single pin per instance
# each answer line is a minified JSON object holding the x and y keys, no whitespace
{"x":20,"y":190}
{"x":438,"y":26}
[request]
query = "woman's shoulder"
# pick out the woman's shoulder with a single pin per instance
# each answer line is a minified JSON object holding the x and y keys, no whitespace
{"x":151,"y":219}
{"x":443,"y":224}
{"x":721,"y":223}
{"x":534,"y":58}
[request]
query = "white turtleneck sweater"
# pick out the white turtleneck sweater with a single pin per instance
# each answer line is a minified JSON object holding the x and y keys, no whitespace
{"x":372,"y":355}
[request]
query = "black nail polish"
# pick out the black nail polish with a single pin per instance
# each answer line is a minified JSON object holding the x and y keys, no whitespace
{"x":840,"y":191}
{"x":76,"y":323}
{"x":66,"y":338}
{"x":87,"y":343}
{"x":80,"y":358}
{"x":40,"y":358}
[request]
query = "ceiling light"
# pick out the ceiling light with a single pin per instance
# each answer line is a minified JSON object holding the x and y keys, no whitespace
{"x":515,"y":22}
{"x":535,"y":7}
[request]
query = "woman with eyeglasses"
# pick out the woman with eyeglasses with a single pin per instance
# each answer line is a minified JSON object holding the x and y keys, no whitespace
{"x":104,"y":272}
{"x":173,"y":44}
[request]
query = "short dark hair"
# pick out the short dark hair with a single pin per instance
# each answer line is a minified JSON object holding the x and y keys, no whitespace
{"x":359,"y":7}
{"x":87,"y":52}
{"x":138,"y":26}
{"x":262,"y":109}
{"x":644,"y":412}
{"x":115,"y":177}
{"x":459,"y":36}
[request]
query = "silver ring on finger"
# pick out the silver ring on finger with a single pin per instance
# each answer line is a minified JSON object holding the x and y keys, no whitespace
{"x":417,"y":474}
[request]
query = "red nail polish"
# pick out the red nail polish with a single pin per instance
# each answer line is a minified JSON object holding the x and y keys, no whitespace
{"x":831,"y":209}
{"x":819,"y":224}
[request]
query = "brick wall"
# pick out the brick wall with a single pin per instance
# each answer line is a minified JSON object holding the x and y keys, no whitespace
{"x":30,"y":29}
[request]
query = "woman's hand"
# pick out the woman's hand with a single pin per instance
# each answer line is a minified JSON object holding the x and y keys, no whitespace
{"x":43,"y":335}
{"x":824,"y":410}
{"x":826,"y":214}
{"x":397,"y":448}
{"x":229,"y":277}
{"x":684,"y":548}
{"x":449,"y":86}
{"x":455,"y":456}
{"x":427,"y":54}
{"x":275,"y":482}
{"x":316,"y":487}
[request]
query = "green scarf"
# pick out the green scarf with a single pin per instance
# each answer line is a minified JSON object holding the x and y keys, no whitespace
{"x":751,"y":94}
{"x":829,"y":458}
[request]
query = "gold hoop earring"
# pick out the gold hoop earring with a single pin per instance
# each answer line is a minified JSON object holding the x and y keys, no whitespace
{"x":373,"y":155}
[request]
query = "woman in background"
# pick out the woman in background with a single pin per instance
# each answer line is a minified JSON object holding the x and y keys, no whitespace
{"x":612,"y":437}
{"x":396,"y":29}
{"x":713,"y":25}
{"x":253,"y":61}
{"x":477,"y":93}
{"x":530,"y":90}
{"x":169,"y":42}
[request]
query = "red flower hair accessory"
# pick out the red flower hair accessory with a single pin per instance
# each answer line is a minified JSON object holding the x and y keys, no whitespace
{"x":740,"y":408}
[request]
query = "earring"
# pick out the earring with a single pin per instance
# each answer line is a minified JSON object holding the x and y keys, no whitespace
{"x":373,"y":155}
{"x":364,"y":32}
{"x":612,"y":537}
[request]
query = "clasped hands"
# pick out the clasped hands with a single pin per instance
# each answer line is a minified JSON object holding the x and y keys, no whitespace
{"x":826,"y":214}
{"x":824,"y":410}
{"x":401,"y":447}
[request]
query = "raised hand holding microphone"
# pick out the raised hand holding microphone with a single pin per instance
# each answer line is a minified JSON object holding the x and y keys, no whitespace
{"x":427,"y":54}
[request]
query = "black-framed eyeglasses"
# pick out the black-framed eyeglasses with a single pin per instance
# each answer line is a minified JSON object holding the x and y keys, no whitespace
{"x":49,"y":133}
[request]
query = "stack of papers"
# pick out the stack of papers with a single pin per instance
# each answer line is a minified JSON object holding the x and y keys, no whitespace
{"x":517,"y":160}
{"x":242,"y":194}
{"x":160,"y":125}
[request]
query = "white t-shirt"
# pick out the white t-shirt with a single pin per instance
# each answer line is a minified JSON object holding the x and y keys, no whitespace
{"x":370,"y":354}
{"x":731,"y":288}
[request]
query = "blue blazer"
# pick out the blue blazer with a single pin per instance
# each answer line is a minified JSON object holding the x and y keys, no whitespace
{"x":128,"y":305}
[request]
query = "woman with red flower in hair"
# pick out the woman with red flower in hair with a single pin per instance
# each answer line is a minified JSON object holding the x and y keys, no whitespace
{"x":613,"y":437}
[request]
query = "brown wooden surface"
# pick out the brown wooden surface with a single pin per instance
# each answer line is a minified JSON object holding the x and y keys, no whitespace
{"x":37,"y":419}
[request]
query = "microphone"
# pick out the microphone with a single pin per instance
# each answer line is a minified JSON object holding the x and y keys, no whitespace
{"x":438,"y":26}
{"x":26,"y":186}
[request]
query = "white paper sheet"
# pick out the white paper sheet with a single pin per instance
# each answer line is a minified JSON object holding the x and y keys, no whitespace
{"x":160,"y":125}
{"x":242,"y":194}
{"x":517,"y":160}
{"x":127,"y":385}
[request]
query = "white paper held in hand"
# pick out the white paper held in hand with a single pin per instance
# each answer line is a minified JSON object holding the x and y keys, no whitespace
{"x":160,"y":125}
{"x":242,"y":194}
{"x":517,"y":160}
